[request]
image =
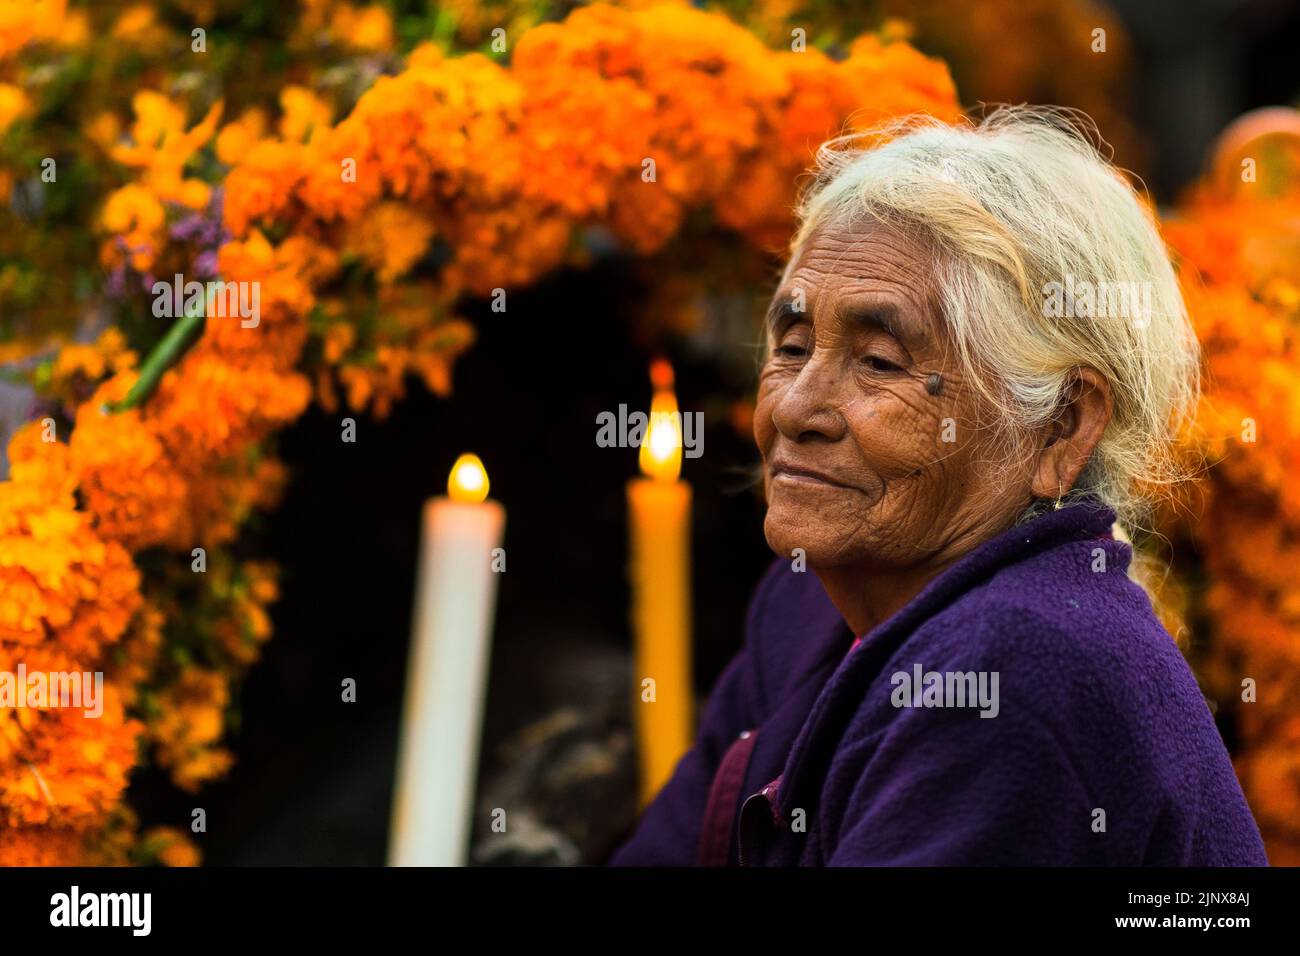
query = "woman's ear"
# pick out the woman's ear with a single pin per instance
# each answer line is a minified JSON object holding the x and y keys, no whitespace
{"x":1070,"y":438}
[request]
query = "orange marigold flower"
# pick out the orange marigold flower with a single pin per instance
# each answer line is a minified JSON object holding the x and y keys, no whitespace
{"x":390,"y":239}
{"x":170,"y":847}
{"x":45,"y":846}
{"x":91,"y":362}
{"x":13,"y":105}
{"x":134,"y":659}
{"x":238,"y":137}
{"x":59,"y":765}
{"x":304,"y":114}
{"x":190,"y":721}
{"x":136,"y":217}
{"x":138,"y":26}
{"x":59,"y":581}
{"x":126,"y":478}
{"x":362,"y":28}
{"x":263,"y":184}
{"x":30,"y":21}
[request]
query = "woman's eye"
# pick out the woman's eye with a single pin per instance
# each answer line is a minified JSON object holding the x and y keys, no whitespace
{"x":881,"y":364}
{"x":791,"y":351}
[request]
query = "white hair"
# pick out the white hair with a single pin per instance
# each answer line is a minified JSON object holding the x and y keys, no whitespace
{"x":1025,"y":215}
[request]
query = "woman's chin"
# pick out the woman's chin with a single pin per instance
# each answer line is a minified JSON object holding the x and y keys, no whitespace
{"x":800,"y":533}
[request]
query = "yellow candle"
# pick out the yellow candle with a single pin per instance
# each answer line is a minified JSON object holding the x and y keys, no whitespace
{"x":659,"y":507}
{"x":446,"y":677}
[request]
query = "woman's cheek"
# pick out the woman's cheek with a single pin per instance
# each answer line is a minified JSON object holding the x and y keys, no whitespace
{"x":893,"y":444}
{"x":764,"y":427}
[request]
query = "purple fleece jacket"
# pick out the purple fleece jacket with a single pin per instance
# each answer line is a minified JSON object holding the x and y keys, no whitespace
{"x":1102,"y":750}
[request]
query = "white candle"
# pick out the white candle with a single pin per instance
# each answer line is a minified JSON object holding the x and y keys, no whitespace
{"x":446,"y":678}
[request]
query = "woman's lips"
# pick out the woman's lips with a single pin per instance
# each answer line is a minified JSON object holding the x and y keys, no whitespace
{"x":805,"y":476}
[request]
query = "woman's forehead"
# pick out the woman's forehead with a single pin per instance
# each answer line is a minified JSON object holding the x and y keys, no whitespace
{"x":866,"y":275}
{"x":862,"y":240}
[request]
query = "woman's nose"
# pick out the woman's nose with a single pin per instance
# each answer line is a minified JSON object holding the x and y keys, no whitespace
{"x":808,"y":410}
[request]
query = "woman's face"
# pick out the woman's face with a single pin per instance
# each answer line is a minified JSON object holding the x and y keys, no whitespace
{"x":862,"y":463}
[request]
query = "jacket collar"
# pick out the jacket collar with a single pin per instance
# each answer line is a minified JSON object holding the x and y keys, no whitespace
{"x":1083,"y":519}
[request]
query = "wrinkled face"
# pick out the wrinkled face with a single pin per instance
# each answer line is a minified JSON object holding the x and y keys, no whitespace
{"x":862,"y":463}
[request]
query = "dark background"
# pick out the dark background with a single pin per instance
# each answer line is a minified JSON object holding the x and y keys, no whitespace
{"x":313,"y":780}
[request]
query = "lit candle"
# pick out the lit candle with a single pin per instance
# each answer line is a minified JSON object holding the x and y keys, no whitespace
{"x":447,"y":673}
{"x":659,"y":506}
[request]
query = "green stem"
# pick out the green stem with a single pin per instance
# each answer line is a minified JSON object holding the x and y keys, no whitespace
{"x":444,"y":28}
{"x":164,"y":355}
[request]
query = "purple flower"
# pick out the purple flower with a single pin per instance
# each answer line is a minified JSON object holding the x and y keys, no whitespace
{"x":205,"y":263}
{"x":188,"y":229}
{"x":115,"y":285}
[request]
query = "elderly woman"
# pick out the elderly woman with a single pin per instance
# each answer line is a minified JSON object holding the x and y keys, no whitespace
{"x":978,"y":355}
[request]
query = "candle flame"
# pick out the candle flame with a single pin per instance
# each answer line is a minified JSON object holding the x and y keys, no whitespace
{"x":468,"y":481}
{"x":661,"y":451}
{"x":661,"y":375}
